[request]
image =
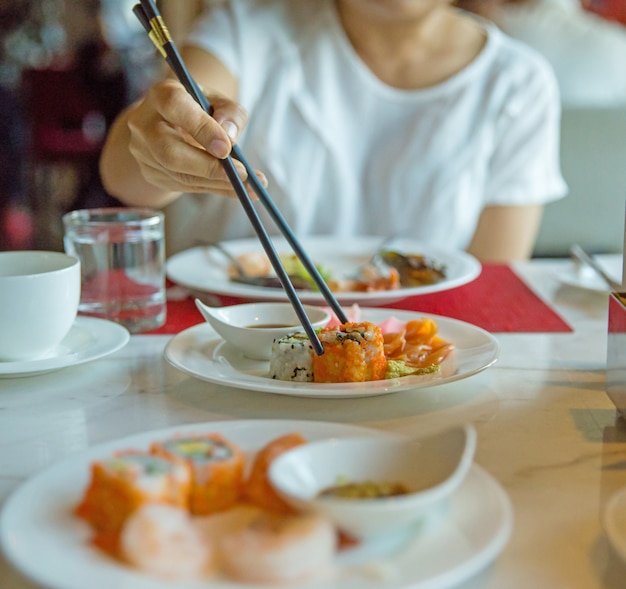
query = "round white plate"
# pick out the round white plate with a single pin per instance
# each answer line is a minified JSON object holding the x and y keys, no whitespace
{"x":585,"y":278}
{"x":614,"y":519}
{"x":206,"y":268}
{"x":42,"y":538}
{"x":200,"y":352}
{"x":88,"y":339}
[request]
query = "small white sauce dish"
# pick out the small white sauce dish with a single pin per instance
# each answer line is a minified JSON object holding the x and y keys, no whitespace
{"x":253,"y":327}
{"x":431,"y":468}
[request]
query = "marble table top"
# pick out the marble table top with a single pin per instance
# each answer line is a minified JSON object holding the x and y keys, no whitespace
{"x":547,"y":431}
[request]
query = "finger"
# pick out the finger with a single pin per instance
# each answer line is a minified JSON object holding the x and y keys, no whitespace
{"x":192,"y":184}
{"x":180,"y":109}
{"x":232,"y":117}
{"x":161,"y":145}
{"x":262,"y":178}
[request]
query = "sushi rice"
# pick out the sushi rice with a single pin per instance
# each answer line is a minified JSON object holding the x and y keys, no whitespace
{"x":292,"y":358}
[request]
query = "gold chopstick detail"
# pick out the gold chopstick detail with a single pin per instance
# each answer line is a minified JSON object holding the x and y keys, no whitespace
{"x":160,"y":31}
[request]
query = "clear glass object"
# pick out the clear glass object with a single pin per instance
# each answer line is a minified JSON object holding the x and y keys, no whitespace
{"x":122,"y":255}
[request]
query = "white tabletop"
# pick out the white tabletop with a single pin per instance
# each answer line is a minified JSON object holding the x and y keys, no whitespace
{"x":547,"y":431}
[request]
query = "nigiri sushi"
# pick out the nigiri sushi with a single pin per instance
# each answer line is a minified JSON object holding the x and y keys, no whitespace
{"x":279,"y":548}
{"x":162,"y":540}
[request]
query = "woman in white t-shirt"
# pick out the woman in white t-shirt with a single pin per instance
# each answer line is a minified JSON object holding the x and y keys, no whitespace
{"x":366,"y":117}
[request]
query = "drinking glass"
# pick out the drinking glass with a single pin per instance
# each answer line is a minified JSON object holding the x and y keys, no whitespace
{"x":122,"y":255}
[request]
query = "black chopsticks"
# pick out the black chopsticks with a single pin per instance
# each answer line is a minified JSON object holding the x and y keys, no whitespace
{"x":153,"y":23}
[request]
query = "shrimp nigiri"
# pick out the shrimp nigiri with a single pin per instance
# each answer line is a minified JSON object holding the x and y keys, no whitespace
{"x":161,"y":540}
{"x":275,"y":548}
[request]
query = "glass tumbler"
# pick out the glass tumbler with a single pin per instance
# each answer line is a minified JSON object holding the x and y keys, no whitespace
{"x":122,"y":255}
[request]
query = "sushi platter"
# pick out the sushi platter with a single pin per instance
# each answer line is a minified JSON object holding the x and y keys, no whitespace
{"x":206,"y":269}
{"x":457,"y":541}
{"x":200,"y":352}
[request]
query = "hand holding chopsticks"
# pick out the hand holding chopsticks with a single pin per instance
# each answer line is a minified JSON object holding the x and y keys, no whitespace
{"x":152,"y":21}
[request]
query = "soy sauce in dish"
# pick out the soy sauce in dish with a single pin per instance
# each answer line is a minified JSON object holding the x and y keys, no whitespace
{"x":268,"y":325}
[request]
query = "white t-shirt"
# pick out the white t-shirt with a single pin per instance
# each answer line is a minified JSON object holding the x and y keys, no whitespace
{"x":587,"y":52}
{"x":347,"y":155}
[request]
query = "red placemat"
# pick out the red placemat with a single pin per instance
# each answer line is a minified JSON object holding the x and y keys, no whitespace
{"x":498,"y":301}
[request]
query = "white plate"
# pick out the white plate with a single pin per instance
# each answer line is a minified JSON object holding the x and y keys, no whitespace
{"x":614,"y":519}
{"x":585,"y":278}
{"x":89,"y":339}
{"x":42,"y":538}
{"x":199,"y":351}
{"x":206,"y":269}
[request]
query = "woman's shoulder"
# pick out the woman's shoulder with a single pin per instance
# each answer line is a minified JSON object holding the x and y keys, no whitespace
{"x":254,"y":30}
{"x":515,"y":60}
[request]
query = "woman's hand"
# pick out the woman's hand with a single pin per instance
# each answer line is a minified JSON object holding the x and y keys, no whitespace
{"x":178,"y":147}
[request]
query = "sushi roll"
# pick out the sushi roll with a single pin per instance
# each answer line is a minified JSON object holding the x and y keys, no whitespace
{"x":121,"y":484}
{"x":292,"y":358}
{"x":258,"y":489}
{"x":215,"y":466}
{"x":353,"y":352}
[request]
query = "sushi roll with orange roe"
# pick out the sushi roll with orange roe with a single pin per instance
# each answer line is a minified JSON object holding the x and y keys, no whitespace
{"x":258,"y":489}
{"x":215,"y":466}
{"x":121,"y":484}
{"x":353,"y":352}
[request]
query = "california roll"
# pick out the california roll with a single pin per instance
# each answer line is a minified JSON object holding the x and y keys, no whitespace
{"x":292,"y":358}
{"x":353,"y":352}
{"x":215,"y":465}
{"x":121,"y":484}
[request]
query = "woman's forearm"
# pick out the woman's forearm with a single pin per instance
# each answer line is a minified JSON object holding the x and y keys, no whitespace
{"x":506,"y":233}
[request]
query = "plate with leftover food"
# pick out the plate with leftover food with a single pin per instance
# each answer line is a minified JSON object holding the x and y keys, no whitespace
{"x":57,"y":516}
{"x":457,"y":349}
{"x":367,"y":270}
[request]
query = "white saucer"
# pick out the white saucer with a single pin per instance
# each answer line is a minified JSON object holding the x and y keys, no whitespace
{"x":464,"y":538}
{"x":614,"y":521}
{"x":89,"y":338}
{"x":585,"y":278}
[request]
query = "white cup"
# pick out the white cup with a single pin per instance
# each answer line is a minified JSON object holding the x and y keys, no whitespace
{"x":39,"y":294}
